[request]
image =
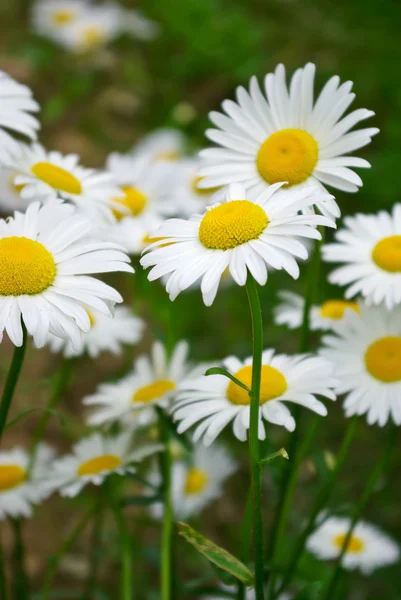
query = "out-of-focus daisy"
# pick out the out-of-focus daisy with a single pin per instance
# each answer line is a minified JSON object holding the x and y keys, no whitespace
{"x":136,"y":24}
{"x":107,"y":333}
{"x":19,"y":489}
{"x":44,"y":176}
{"x":368,"y":548}
{"x":95,"y":458}
{"x":366,"y":354}
{"x":153,"y":382}
{"x":45,"y":257}
{"x":10,"y":198}
{"x":370,"y":248}
{"x":288,"y":137}
{"x":49,"y":17}
{"x":161,"y":145}
{"x":16,"y":106}
{"x":215,"y":400}
{"x":238,"y":234}
{"x":197,"y":482}
{"x":290,"y":311}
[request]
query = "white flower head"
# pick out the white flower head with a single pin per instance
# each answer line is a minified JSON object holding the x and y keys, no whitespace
{"x":214,"y":401}
{"x":107,"y":333}
{"x":19,"y":490}
{"x":47,"y":257}
{"x":368,"y":548}
{"x":93,"y":459}
{"x":291,"y":310}
{"x":237,"y":234}
{"x":50,"y":17}
{"x":366,"y":355}
{"x":10,"y":198}
{"x":369,"y":246}
{"x":287,"y":136}
{"x":161,"y":145}
{"x":153,"y":382}
{"x":16,"y":106}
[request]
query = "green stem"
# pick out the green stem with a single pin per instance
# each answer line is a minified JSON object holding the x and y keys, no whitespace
{"x":66,"y":545}
{"x":12,"y":380}
{"x":95,"y":548}
{"x":126,"y":552}
{"x":20,"y":582}
{"x":360,"y":505}
{"x":3,"y":582}
{"x":320,"y":502}
{"x":167,"y":529}
{"x":245,"y":542}
{"x":254,"y":457}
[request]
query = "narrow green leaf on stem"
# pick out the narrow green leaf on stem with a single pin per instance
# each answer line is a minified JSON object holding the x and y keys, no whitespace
{"x":221,"y":371}
{"x":12,"y":380}
{"x":216,"y":555}
{"x":167,"y":528}
{"x":24,"y":413}
{"x":20,"y":580}
{"x":280,"y":453}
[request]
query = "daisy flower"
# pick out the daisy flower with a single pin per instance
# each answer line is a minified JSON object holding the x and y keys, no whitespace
{"x":93,"y":459}
{"x":237,"y":234}
{"x":369,"y":246}
{"x":290,"y":311}
{"x":16,"y":106}
{"x":161,"y":145}
{"x":368,"y":548}
{"x":198,"y":482}
{"x":10,"y":199}
{"x":366,"y":354}
{"x":46,"y":256}
{"x":107,"y":333}
{"x":215,"y":400}
{"x":286,"y":136}
{"x":50,"y":17}
{"x":45,"y":176}
{"x":153,"y":382}
{"x":18,"y":489}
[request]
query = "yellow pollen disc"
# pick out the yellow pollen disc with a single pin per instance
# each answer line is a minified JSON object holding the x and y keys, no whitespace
{"x":92,"y":36}
{"x":287,"y":155}
{"x":334,"y":309}
{"x":196,"y":481}
{"x":273,"y":385}
{"x":11,"y":476}
{"x":26,"y":267}
{"x":383,"y":359}
{"x":154,"y":390}
{"x":202,"y":191}
{"x":134,"y":202}
{"x":355,"y":545}
{"x":106,"y":462}
{"x":63,"y":16}
{"x":387,"y":254}
{"x":232,"y":224}
{"x":57,"y":177}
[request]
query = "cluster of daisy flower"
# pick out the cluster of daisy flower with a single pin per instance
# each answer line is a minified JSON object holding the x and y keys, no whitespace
{"x":83,"y":26}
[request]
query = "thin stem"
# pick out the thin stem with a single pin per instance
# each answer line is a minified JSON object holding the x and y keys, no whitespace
{"x":360,"y":505}
{"x":245,"y":542}
{"x":167,"y":530}
{"x":12,"y":380}
{"x":20,"y":582}
{"x":3,"y":582}
{"x":125,"y":550}
{"x":95,"y":548}
{"x":254,"y":457}
{"x":66,"y":545}
{"x":320,"y":502}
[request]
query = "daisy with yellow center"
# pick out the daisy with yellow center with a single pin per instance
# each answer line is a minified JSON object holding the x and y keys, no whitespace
{"x":291,"y":308}
{"x":50,"y":17}
{"x":369,"y":246}
{"x":366,"y":354}
{"x":214,"y":401}
{"x":238,"y":234}
{"x":95,"y":458}
{"x":162,"y":145}
{"x":287,"y":136}
{"x":152,"y":382}
{"x":45,"y":176}
{"x":44,"y":254}
{"x":368,"y":548}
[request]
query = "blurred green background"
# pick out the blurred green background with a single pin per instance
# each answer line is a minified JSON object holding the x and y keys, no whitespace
{"x":94,"y":106}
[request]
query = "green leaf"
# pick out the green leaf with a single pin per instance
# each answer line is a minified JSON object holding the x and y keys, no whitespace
{"x":22,"y":414}
{"x":216,"y":555}
{"x":282,"y":452}
{"x":221,"y":371}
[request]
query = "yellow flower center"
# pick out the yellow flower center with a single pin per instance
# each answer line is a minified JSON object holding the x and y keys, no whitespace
{"x":26,"y":267}
{"x":57,"y":177}
{"x":383,"y":359}
{"x":273,"y":385}
{"x":154,"y":390}
{"x":202,"y":191}
{"x":92,"y":36}
{"x":11,"y":476}
{"x":167,"y":155}
{"x":387,"y":254}
{"x":134,"y":202}
{"x":196,"y":481}
{"x":232,"y":224}
{"x":355,"y":545}
{"x":93,"y":466}
{"x":334,"y":309}
{"x":287,"y":155}
{"x":63,"y":16}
